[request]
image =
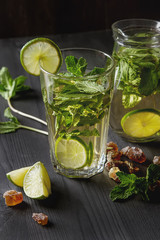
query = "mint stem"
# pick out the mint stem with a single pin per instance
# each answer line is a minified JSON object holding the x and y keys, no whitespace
{"x":34,"y":129}
{"x":25,"y":114}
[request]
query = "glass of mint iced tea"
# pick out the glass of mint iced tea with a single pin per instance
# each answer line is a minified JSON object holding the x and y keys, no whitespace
{"x":77,"y":102}
{"x":135,"y":109}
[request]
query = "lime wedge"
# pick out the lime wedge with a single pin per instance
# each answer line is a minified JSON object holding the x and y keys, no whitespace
{"x":17,"y":176}
{"x":141,"y":123}
{"x":36,"y":182}
{"x":71,"y":153}
{"x":40,"y":51}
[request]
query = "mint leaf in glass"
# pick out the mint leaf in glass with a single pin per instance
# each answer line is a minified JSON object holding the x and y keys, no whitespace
{"x":96,"y":71}
{"x":138,"y":73}
{"x":76,"y":66}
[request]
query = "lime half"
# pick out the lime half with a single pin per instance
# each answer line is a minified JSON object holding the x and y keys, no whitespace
{"x":40,"y":51}
{"x":36,"y":182}
{"x":141,"y":123}
{"x":17,"y":176}
{"x":71,"y":153}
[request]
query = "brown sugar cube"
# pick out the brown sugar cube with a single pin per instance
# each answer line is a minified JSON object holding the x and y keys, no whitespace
{"x":156,"y":160}
{"x":12,"y":197}
{"x":134,"y":153}
{"x":40,"y":218}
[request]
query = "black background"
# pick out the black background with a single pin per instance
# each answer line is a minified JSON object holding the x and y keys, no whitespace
{"x":20,"y":18}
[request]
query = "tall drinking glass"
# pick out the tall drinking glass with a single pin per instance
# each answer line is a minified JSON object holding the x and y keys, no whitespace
{"x":77,"y":112}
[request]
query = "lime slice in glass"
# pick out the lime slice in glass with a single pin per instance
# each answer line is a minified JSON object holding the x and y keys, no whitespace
{"x":71,"y":153}
{"x":17,"y":176}
{"x":141,"y":123}
{"x":90,"y":159}
{"x":40,"y":51}
{"x":36,"y":182}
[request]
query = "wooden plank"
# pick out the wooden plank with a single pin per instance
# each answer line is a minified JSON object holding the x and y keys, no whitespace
{"x":77,"y":209}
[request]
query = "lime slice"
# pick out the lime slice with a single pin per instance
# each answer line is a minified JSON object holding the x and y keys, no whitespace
{"x":71,"y":153}
{"x":40,"y":51}
{"x":141,"y":123}
{"x":36,"y":182}
{"x":17,"y":176}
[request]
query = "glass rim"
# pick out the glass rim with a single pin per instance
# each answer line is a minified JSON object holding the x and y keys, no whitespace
{"x":150,"y":28}
{"x":135,"y":21}
{"x":108,"y":70}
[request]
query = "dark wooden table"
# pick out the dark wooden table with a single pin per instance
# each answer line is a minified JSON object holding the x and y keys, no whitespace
{"x":77,"y":209}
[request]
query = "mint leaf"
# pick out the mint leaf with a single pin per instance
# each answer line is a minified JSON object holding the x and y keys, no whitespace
{"x":129,"y":99}
{"x":127,"y":187}
{"x":149,"y":81}
{"x":137,"y":73}
{"x":69,"y":89}
{"x":8,"y":114}
{"x":73,"y":96}
{"x":89,"y":133}
{"x":121,"y":192}
{"x":89,"y":87}
{"x":9,"y":86}
{"x":20,"y":87}
{"x":14,"y":124}
{"x":5,"y":77}
{"x":142,"y":188}
{"x":81,"y":66}
{"x":10,"y":126}
{"x":153,"y":173}
{"x":74,"y":133}
{"x":126,"y":178}
{"x":76,"y":66}
{"x":96,"y":71}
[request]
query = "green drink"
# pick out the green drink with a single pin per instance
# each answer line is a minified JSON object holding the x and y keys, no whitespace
{"x":135,"y":110}
{"x":77,"y":102}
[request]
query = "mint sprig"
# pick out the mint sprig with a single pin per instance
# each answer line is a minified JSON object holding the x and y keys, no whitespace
{"x":76,"y":66}
{"x":14,"y":124}
{"x":9,"y":87}
{"x":131,"y":185}
{"x":80,"y":102}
